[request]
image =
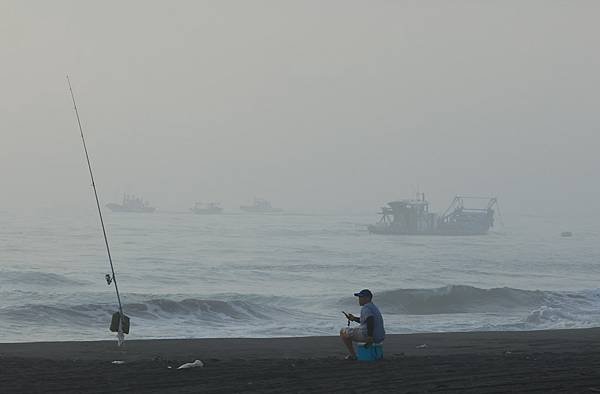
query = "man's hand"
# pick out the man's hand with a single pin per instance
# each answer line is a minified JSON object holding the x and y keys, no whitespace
{"x":368,"y":342}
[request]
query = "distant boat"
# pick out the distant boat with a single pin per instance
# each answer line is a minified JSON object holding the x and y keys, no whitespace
{"x":260,"y":206}
{"x":131,"y":204}
{"x":566,"y":234}
{"x":412,"y":217}
{"x":210,"y":208}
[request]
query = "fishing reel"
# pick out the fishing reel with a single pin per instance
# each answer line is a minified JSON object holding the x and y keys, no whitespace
{"x":109,"y":279}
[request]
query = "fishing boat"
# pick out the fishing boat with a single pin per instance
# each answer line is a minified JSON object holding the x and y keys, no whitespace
{"x":210,"y":208}
{"x":260,"y":206}
{"x":131,"y":204}
{"x":412,"y":217}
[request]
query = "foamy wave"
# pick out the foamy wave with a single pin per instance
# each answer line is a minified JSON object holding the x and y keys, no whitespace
{"x":567,"y":309}
{"x":153,"y":309}
{"x":467,"y":308}
{"x":449,"y":308}
{"x":547,"y":314}
{"x":457,"y":299}
{"x":537,"y":305}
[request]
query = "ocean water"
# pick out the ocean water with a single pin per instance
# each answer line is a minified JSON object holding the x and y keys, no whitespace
{"x":250,"y":275}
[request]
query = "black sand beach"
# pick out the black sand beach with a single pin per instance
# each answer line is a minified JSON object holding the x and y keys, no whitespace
{"x":539,"y":361}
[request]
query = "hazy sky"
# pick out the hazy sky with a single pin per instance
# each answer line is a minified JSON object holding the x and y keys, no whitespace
{"x":311,"y":104}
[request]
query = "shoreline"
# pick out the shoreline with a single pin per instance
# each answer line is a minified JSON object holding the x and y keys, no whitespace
{"x":560,"y":360}
{"x":306,"y":347}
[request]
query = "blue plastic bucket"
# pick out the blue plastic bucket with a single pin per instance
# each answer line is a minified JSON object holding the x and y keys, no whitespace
{"x":371,"y":353}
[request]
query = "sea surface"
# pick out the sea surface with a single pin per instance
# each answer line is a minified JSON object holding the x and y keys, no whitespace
{"x":250,"y":275}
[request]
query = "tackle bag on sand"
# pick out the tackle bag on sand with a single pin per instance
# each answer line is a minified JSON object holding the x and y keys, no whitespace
{"x":114,"y":323}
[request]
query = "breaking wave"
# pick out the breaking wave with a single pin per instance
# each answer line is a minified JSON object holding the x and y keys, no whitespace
{"x":153,"y":309}
{"x":458,"y":299}
{"x":449,"y":308}
{"x":538,"y":306}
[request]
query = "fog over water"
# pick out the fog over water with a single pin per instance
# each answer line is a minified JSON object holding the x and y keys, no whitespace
{"x":314,"y":105}
{"x":329,"y":109}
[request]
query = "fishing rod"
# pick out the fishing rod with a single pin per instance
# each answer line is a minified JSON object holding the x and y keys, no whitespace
{"x":121,"y":316}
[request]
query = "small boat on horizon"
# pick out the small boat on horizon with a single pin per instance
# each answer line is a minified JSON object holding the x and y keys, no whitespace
{"x":210,"y":208}
{"x":131,"y":204}
{"x":260,"y":206}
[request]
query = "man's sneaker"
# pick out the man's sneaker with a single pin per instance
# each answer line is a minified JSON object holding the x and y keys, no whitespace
{"x":350,"y":357}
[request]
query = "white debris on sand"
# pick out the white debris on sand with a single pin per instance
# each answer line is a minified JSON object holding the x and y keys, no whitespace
{"x":195,"y":364}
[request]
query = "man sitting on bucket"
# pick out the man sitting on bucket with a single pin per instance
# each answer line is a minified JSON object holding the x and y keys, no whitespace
{"x":371,"y":324}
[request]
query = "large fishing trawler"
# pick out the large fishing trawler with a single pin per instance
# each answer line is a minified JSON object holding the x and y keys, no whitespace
{"x":412,"y":217}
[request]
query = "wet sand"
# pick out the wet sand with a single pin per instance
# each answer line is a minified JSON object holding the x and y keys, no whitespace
{"x":539,"y":361}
